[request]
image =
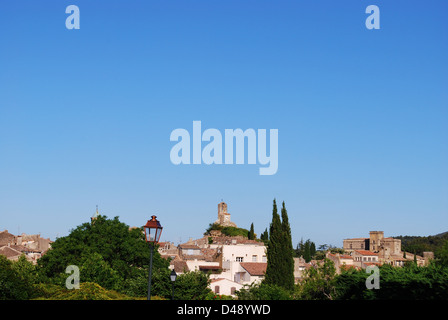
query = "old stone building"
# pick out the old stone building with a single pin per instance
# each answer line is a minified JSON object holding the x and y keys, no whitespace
{"x":31,"y":246}
{"x":224,"y":216}
{"x":380,"y":250}
{"x":375,"y":243}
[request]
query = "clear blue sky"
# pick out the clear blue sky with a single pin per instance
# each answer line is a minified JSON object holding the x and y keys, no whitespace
{"x":362,"y":115}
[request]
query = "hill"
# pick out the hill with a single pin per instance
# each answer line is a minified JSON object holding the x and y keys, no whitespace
{"x":419,"y":244}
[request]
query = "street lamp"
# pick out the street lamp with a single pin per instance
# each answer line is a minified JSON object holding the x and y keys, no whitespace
{"x":173,"y":277}
{"x":153,"y":230}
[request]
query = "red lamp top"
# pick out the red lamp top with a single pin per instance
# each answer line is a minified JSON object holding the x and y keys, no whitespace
{"x":153,"y":230}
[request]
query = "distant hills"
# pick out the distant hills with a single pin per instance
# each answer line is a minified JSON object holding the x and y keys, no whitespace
{"x":418,"y":244}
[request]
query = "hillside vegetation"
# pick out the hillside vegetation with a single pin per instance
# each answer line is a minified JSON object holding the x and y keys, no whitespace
{"x":419,"y":244}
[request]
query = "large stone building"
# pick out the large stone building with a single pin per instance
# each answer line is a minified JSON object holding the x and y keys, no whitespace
{"x":378,"y":250}
{"x":375,"y":243}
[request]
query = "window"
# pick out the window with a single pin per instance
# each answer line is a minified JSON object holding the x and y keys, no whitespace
{"x":216,"y":289}
{"x":264,"y":259}
{"x":232,"y":290}
{"x":239,"y":259}
{"x":254,"y":258}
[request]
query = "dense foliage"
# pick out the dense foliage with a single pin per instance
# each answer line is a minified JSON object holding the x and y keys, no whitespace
{"x":263,"y":291}
{"x":419,"y":245}
{"x":407,"y":283}
{"x":107,"y":252}
{"x":306,"y":249}
{"x":113,"y":262}
{"x":16,"y":279}
{"x":228,"y":231}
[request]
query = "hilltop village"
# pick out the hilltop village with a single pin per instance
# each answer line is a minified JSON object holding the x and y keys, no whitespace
{"x":235,"y":261}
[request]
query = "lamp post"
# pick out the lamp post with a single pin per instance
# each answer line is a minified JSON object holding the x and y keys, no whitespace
{"x":173,"y":277}
{"x":153,"y":230}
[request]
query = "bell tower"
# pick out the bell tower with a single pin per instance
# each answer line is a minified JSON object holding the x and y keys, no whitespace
{"x":224,"y":216}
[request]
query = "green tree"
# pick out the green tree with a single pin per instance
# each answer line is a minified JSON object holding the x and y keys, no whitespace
{"x":312,"y":249}
{"x":443,"y":255}
{"x":319,"y":282}
{"x":274,"y":249}
{"x":251,"y":234}
{"x":107,"y":251}
{"x":411,"y":282}
{"x":279,"y":252}
{"x":265,"y":236}
{"x":26,"y":270}
{"x":263,"y":291}
{"x":95,"y":269}
{"x":15,"y":281}
{"x":307,"y":251}
{"x":288,"y":250}
{"x":299,"y":249}
{"x":192,"y":285}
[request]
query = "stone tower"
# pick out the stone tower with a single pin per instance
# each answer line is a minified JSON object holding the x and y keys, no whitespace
{"x":224,"y":216}
{"x":376,"y":238}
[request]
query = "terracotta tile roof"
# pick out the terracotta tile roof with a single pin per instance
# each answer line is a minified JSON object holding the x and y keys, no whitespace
{"x":342,"y":256}
{"x":9,"y":252}
{"x":255,"y":268}
{"x":6,"y":237}
{"x":209,"y":267}
{"x":24,"y":249}
{"x":180,"y":266}
{"x":193,"y":257}
{"x":366,"y":253}
{"x":188,"y":246}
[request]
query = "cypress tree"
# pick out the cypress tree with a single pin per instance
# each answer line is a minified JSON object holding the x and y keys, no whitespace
{"x":312,"y":249}
{"x":265,"y":236}
{"x":280,"y":264}
{"x":288,"y":250}
{"x":307,"y":251}
{"x":299,"y":249}
{"x":273,"y":252}
{"x":251,"y":235}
